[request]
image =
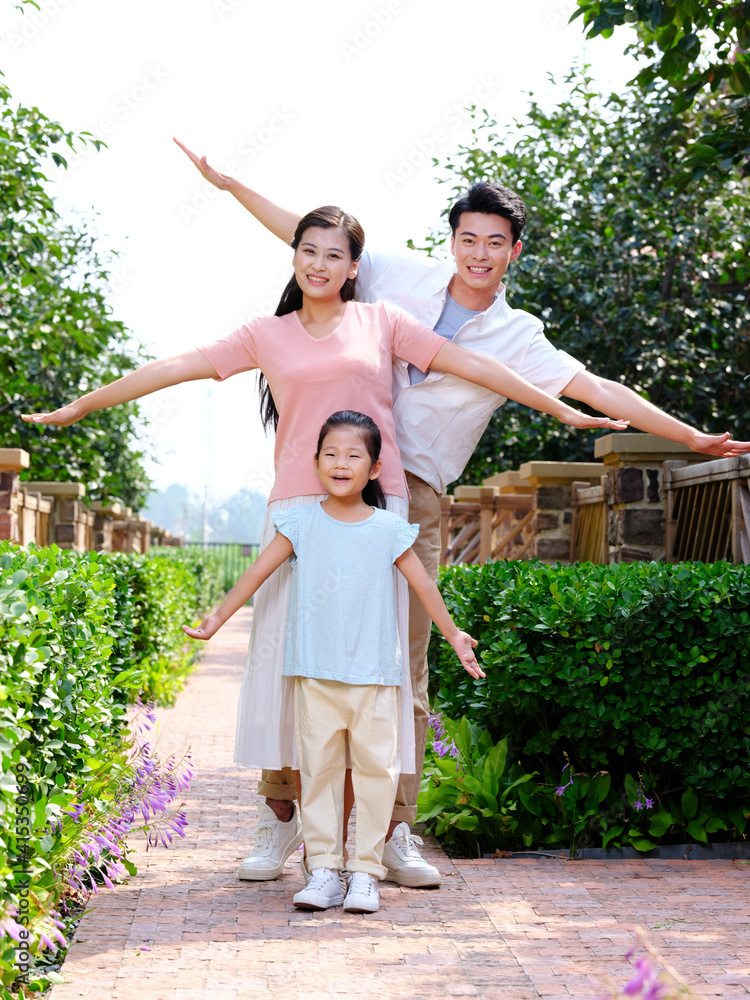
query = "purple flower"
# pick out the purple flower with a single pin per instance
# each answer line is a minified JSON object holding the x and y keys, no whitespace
{"x":649,"y":803}
{"x":638,"y":805}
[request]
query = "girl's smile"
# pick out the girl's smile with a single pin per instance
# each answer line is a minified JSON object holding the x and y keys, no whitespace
{"x":323,"y":262}
{"x":343,"y":465}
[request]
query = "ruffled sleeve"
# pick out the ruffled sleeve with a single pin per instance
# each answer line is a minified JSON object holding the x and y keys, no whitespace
{"x":286,"y":523}
{"x":404,"y":536}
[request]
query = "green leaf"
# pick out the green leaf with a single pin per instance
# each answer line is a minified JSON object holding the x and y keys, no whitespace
{"x":689,"y":803}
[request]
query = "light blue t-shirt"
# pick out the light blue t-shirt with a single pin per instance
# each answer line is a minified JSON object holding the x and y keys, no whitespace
{"x":342,"y":609}
{"x":452,"y":318}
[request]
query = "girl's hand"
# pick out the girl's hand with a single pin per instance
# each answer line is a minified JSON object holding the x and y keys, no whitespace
{"x":584,"y":422}
{"x":208,"y":627}
{"x":464,"y":645}
{"x":221,"y":181}
{"x":63,"y":417}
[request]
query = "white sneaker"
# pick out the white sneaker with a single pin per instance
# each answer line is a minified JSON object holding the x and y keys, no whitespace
{"x":362,"y":895}
{"x":405,"y":864}
{"x":325,"y":888}
{"x":274,"y":842}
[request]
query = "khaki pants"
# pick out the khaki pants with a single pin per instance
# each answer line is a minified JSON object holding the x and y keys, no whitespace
{"x":424,"y":510}
{"x":325,"y":712}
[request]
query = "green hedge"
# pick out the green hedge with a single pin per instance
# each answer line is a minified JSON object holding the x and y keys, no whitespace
{"x":81,"y":637}
{"x":634,"y":669}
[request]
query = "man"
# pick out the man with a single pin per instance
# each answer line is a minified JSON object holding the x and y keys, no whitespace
{"x":439,"y":421}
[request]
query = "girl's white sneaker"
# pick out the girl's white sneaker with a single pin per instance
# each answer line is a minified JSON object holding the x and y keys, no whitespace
{"x":362,"y":895}
{"x":325,"y":888}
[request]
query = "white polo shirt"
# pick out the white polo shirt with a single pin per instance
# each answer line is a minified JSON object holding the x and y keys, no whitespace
{"x":439,"y":421}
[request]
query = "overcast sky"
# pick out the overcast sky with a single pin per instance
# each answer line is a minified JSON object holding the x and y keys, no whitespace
{"x":343,"y":102}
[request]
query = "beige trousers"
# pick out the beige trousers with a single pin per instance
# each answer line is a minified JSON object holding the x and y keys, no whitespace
{"x":325,"y":713}
{"x":424,"y":510}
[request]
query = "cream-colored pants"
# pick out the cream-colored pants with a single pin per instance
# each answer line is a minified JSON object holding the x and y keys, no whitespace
{"x":325,"y":712}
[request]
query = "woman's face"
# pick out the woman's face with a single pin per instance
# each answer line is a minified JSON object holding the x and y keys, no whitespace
{"x":323,"y":262}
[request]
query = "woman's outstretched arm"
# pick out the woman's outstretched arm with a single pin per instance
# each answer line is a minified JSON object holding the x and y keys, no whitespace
{"x":494,"y":375}
{"x":154,"y":375}
{"x":277,"y":220}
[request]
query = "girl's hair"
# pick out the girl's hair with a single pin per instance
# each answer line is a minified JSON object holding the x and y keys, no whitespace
{"x":327,"y":217}
{"x":368,"y":430}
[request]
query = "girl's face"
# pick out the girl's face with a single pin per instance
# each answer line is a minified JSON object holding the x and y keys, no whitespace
{"x":323,"y":262}
{"x":344,"y":465}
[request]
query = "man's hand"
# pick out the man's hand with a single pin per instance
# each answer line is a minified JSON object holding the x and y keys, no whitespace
{"x":719,"y":445}
{"x":221,"y":181}
{"x":584,"y":422}
{"x":208,"y":627}
{"x":63,"y":417}
{"x":464,"y":645}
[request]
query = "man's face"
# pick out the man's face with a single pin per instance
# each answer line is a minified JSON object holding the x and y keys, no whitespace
{"x":483,"y":247}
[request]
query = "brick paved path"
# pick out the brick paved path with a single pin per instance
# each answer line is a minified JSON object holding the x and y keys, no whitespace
{"x":498,"y":930}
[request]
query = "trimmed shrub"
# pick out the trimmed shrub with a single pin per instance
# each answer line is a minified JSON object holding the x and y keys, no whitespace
{"x":81,"y":637}
{"x":634,"y":669}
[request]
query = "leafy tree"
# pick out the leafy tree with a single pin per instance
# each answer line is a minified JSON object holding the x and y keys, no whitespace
{"x":58,"y":338}
{"x":700,"y":48}
{"x":641,"y":282}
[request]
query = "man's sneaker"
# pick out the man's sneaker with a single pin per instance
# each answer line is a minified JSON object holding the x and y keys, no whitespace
{"x":274,"y":842}
{"x":362,"y":895}
{"x":405,"y":864}
{"x":325,"y":888}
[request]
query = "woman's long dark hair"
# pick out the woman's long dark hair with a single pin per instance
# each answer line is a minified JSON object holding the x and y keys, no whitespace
{"x":368,"y":430}
{"x":327,"y":217}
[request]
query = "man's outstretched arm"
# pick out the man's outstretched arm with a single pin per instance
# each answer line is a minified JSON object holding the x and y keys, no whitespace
{"x":277,"y":220}
{"x":607,"y":396}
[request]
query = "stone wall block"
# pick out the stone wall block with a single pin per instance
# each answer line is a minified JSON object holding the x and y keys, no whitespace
{"x":9,"y":480}
{"x":67,"y":510}
{"x":553,"y":549}
{"x":553,"y":497}
{"x":642,"y":526}
{"x":653,"y":493}
{"x":627,"y":484}
{"x":546,"y":521}
{"x":65,"y":534}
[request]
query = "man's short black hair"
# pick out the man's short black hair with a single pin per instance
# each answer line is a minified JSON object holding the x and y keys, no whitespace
{"x":491,"y":199}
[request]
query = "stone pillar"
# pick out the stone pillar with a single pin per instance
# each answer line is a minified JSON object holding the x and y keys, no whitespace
{"x":70,"y":520}
{"x":551,"y":483}
{"x":635,"y":462}
{"x":104,"y":514}
{"x":12,"y":460}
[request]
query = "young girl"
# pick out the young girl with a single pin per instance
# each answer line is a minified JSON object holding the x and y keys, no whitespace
{"x":344,"y":653}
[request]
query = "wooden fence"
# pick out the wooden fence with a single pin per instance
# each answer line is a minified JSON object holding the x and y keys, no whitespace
{"x":708,"y":510}
{"x":491,"y":527}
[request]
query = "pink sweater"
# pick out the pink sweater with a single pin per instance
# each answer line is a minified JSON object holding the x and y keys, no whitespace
{"x":311,"y":378}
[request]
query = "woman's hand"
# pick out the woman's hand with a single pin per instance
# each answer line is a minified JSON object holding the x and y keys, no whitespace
{"x":464,"y":645}
{"x":584,"y":422}
{"x":208,"y":627}
{"x":219,"y":180}
{"x":63,"y":417}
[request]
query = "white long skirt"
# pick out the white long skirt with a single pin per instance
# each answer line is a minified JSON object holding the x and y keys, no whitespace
{"x":265,"y":735}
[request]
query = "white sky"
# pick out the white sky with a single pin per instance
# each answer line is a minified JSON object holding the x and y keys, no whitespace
{"x":308,"y":103}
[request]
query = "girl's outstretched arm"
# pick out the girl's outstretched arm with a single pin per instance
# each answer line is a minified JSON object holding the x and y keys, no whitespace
{"x":272,"y":556}
{"x":426,"y":590}
{"x":277,"y":220}
{"x":494,"y":375}
{"x":155,"y":375}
